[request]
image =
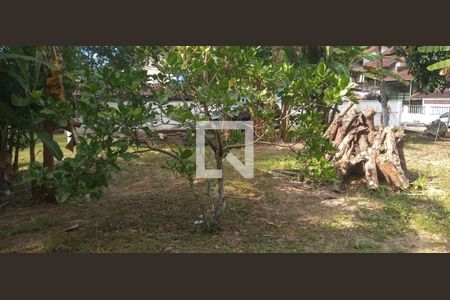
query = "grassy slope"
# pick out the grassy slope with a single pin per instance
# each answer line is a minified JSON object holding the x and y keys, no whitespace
{"x":147,"y":209}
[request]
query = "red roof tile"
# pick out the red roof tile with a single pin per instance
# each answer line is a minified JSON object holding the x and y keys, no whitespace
{"x":389,"y":51}
{"x":371,"y":49}
{"x":374,"y":64}
{"x":405,"y":75}
{"x":438,"y":95}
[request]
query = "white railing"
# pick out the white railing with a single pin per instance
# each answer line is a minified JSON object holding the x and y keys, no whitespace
{"x":439,"y":110}
{"x":415,"y":109}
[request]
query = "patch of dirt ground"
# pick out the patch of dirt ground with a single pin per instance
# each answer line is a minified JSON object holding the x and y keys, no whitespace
{"x":147,"y":209}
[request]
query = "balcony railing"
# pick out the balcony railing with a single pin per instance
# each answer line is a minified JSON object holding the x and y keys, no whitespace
{"x":415,"y":109}
{"x":439,"y":110}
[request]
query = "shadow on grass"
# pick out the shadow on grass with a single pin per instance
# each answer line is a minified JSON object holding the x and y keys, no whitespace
{"x":146,"y":209}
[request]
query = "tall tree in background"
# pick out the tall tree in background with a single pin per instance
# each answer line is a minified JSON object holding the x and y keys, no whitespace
{"x":379,"y":74}
{"x":419,"y":60}
{"x":383,"y":96}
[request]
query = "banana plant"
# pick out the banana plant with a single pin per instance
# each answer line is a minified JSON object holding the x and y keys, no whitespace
{"x":26,"y":106}
{"x":444,"y":64}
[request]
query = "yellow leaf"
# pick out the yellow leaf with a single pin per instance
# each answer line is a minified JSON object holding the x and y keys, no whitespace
{"x":231,"y":82}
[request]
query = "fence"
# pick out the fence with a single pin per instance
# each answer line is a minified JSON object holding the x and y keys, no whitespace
{"x":415,"y":109}
{"x":422,"y":114}
{"x":439,"y":110}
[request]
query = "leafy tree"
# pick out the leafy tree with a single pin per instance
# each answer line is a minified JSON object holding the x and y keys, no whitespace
{"x":340,"y":59}
{"x":444,"y":64}
{"x":312,"y":91}
{"x":23,"y":104}
{"x":28,"y":103}
{"x":426,"y":80}
{"x":112,"y":108}
{"x":215,"y":79}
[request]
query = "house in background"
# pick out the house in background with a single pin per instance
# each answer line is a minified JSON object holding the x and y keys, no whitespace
{"x":397,"y":92}
{"x":425,"y":108}
{"x":407,"y":106}
{"x":369,"y":88}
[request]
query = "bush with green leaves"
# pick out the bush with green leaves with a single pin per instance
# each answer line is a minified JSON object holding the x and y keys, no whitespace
{"x":218,"y":82}
{"x":111,"y":106}
{"x":312,"y":92}
{"x":216,"y":79}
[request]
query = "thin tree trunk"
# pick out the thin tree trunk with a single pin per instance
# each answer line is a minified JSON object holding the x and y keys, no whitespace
{"x":383,"y":97}
{"x":284,"y":118}
{"x":384,"y":107}
{"x":53,"y":88}
{"x":49,"y":161}
{"x":10,"y":149}
{"x":220,"y":191}
{"x":16,"y":155}
{"x":35,"y":190}
{"x":284,"y":122}
{"x":3,"y":154}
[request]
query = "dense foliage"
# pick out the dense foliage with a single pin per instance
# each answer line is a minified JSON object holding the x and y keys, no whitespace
{"x":426,"y":81}
{"x":290,"y":93}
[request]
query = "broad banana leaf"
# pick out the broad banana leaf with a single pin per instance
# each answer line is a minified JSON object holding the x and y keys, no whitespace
{"x":434,"y":48}
{"x":25,"y":57}
{"x":48,"y":141}
{"x":439,"y":65}
{"x":380,"y":74}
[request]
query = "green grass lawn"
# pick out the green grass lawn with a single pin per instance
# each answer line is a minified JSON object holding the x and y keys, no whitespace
{"x":24,"y":155}
{"x":147,"y":209}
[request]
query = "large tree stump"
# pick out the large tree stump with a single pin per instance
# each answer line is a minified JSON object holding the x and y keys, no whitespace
{"x":330,"y":133}
{"x":390,"y":164}
{"x":378,"y":153}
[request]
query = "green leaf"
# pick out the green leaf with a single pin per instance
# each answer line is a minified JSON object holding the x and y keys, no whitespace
{"x":123,"y":144}
{"x":23,"y":83}
{"x":337,"y":50}
{"x":434,"y":48}
{"x":7,"y":112}
{"x":149,"y":133}
{"x":63,"y":197}
{"x":25,"y":57}
{"x":115,"y":167}
{"x":439,"y":65}
{"x":171,"y":58}
{"x":129,"y":156}
{"x":47,"y":111}
{"x":48,"y":141}
{"x":231,"y":82}
{"x":19,"y":100}
{"x":186,"y":154}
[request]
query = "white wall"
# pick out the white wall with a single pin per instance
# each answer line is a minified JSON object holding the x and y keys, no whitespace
{"x":425,"y":115}
{"x":394,"y":116}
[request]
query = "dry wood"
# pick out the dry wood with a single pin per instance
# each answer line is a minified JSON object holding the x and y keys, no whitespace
{"x":330,"y":133}
{"x":379,"y":154}
{"x":347,"y":124}
{"x":369,"y":114}
{"x":390,"y":164}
